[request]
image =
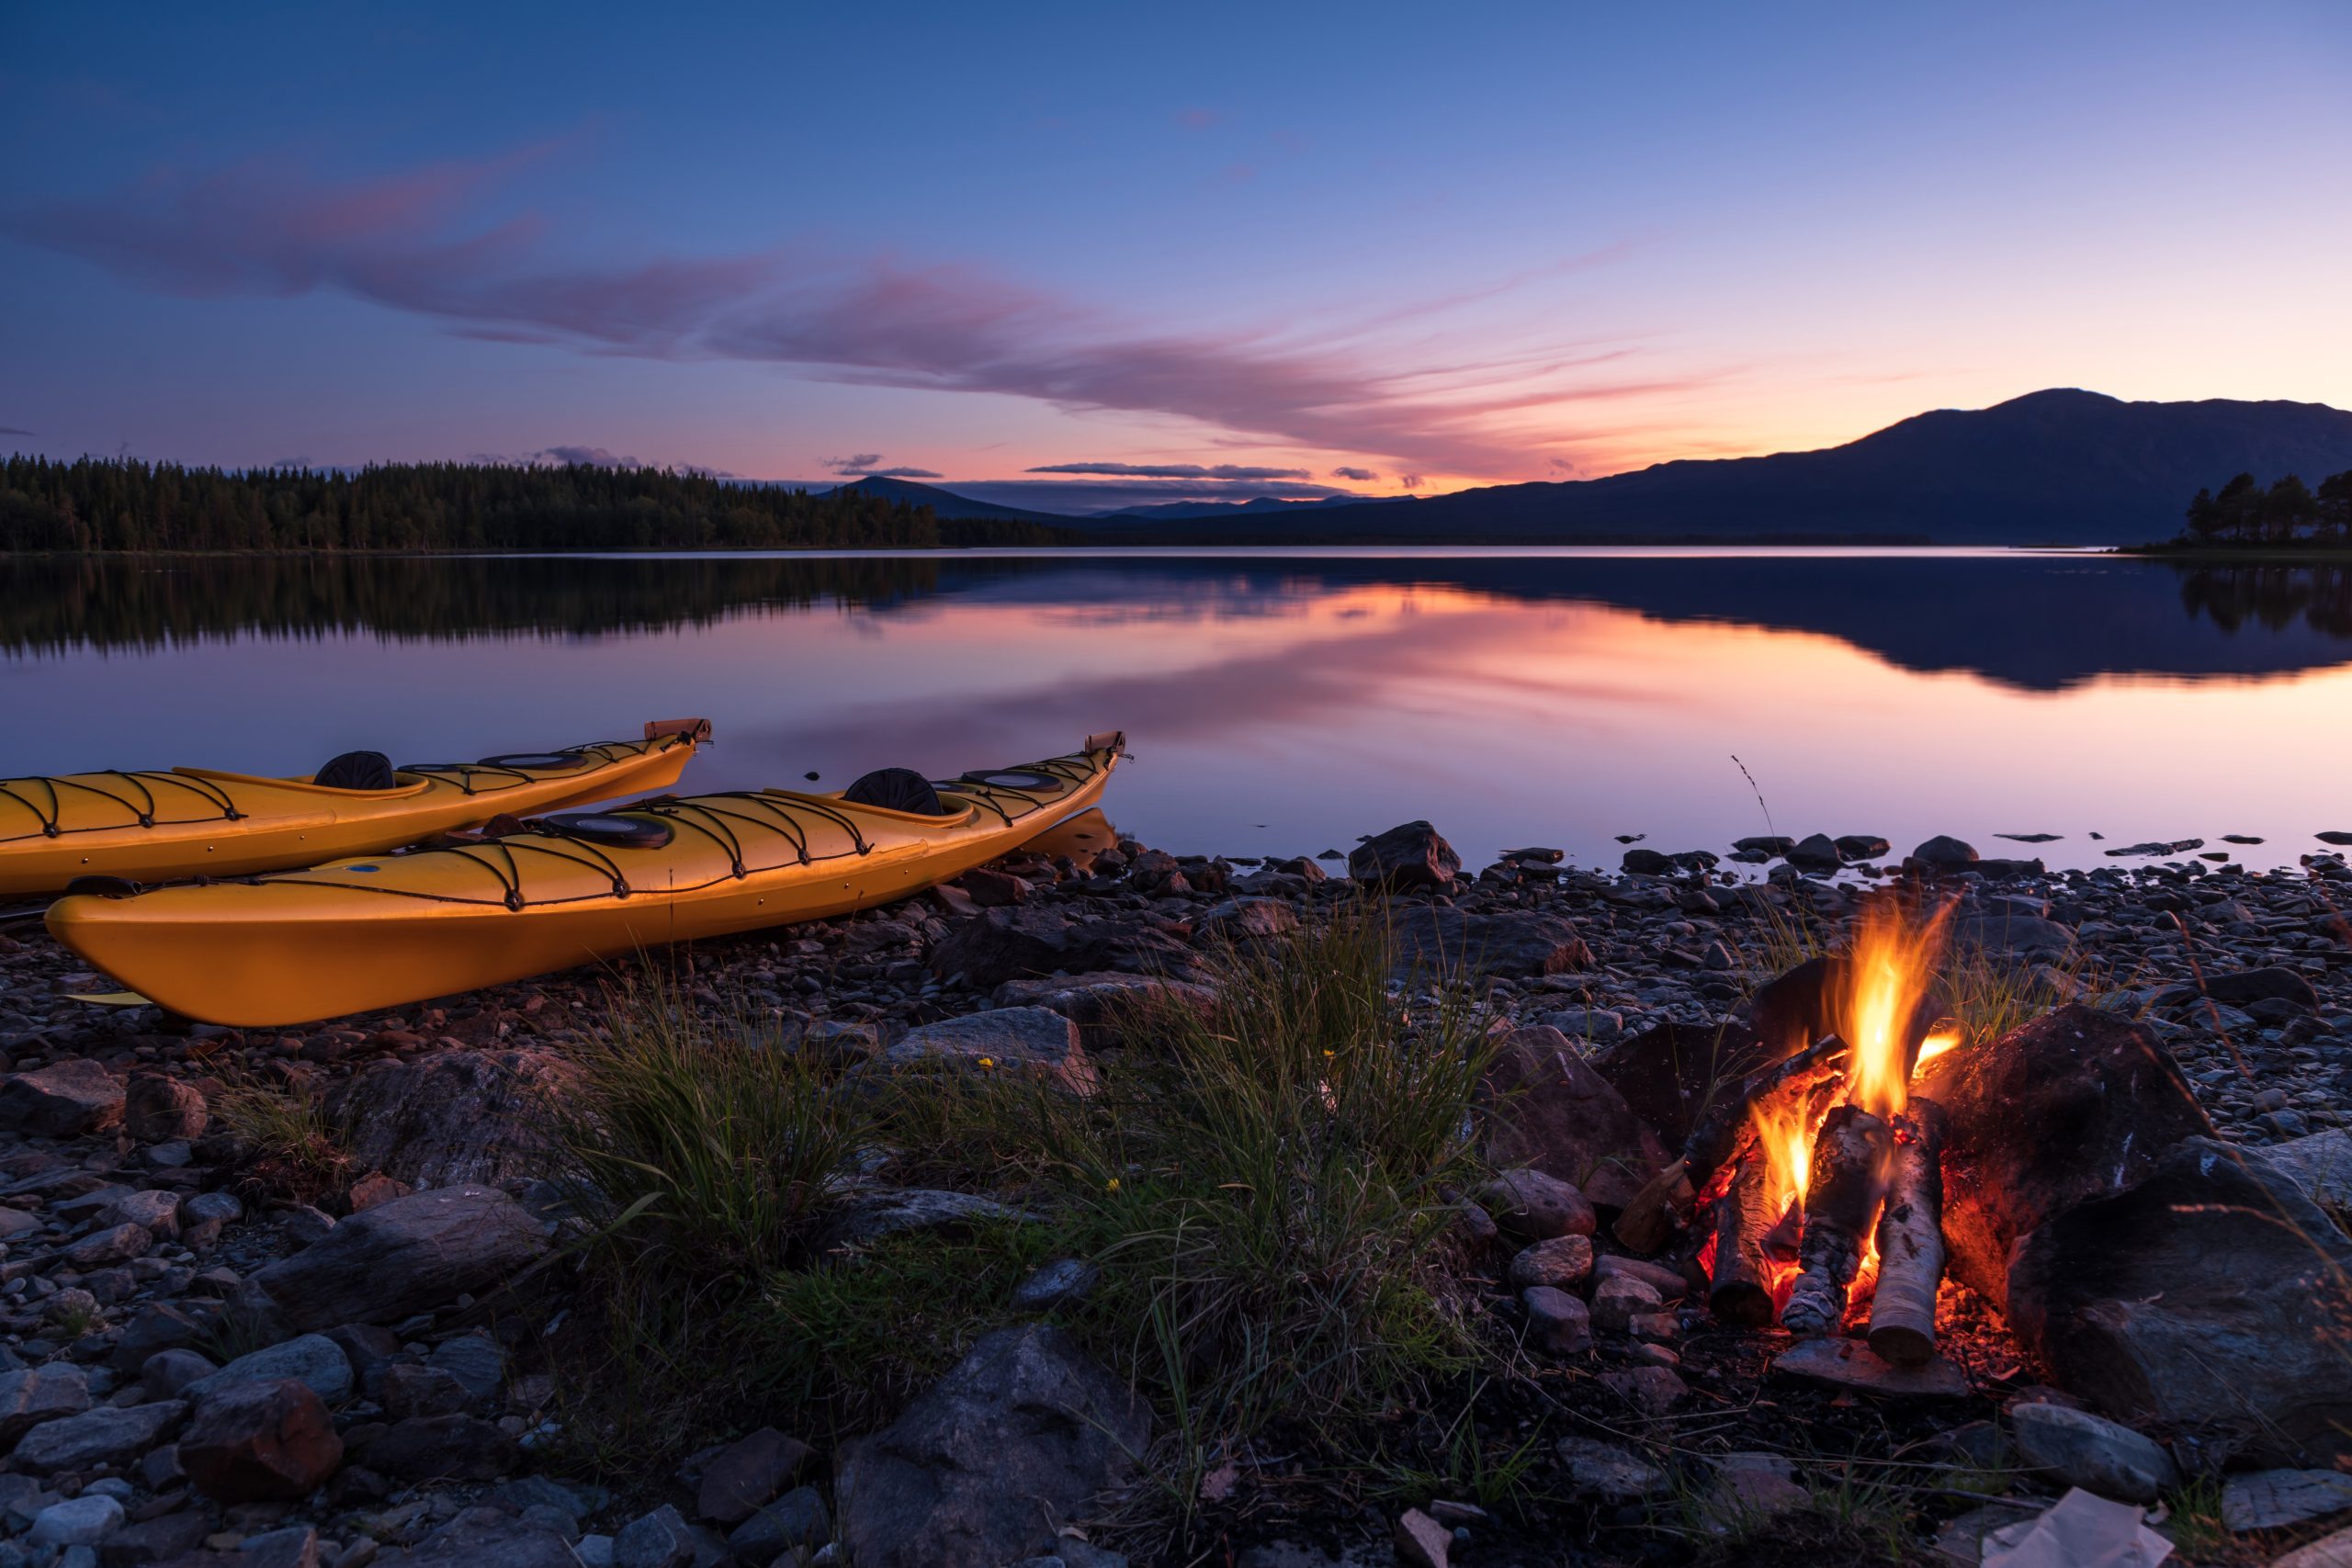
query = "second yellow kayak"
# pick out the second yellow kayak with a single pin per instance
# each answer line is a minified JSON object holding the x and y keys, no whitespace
{"x":170,"y":825}
{"x":377,"y":932}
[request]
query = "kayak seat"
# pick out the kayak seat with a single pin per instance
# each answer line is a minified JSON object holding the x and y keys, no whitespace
{"x":896,"y":789}
{"x":357,"y":770}
{"x":608,"y":827}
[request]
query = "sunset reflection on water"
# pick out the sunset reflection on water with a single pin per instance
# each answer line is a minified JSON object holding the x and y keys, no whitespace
{"x":1286,"y":706}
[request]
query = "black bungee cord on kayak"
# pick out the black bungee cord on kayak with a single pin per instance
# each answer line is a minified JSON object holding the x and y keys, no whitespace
{"x":142,"y":809}
{"x":773,"y":811}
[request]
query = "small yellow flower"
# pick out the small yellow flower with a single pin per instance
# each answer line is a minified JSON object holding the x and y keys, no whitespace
{"x":988,"y":1061}
{"x":1331,"y":1056}
{"x":1112,"y":1185}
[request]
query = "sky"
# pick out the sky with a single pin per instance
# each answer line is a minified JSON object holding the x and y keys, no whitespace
{"x":1081,"y":256}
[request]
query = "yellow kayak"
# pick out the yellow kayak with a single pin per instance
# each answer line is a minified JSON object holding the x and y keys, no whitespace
{"x":170,"y":825}
{"x":369,"y":933}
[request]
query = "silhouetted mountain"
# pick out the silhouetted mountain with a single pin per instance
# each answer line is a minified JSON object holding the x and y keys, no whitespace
{"x":1257,"y":506}
{"x":2054,"y":467}
{"x":947,"y":504}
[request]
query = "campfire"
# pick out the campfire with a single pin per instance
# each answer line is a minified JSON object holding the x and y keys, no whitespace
{"x":1819,"y":1182}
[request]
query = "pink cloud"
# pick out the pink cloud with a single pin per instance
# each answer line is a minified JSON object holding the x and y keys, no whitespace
{"x":420,"y":241}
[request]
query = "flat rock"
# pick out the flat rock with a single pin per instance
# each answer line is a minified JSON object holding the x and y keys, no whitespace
{"x":107,"y":1435}
{"x":32,"y":1396}
{"x":2319,"y":1163}
{"x":870,"y":1216}
{"x":63,"y":1100}
{"x":983,"y":1469}
{"x":997,"y":946}
{"x":1609,"y":1473}
{"x":1518,"y":945}
{"x":1562,"y":1262}
{"x":405,"y":1257}
{"x":2006,"y":934}
{"x":2268,"y":1499}
{"x":2079,"y":1448}
{"x":447,"y":1118}
{"x":312,"y":1359}
{"x":1850,"y":1363}
{"x":485,"y":1536}
{"x":1033,"y":1041}
{"x":1544,"y":1108}
{"x":1102,"y":1003}
{"x":1246,"y":920}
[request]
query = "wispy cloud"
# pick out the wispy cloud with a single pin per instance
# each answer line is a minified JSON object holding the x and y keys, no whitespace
{"x":1360,"y":475}
{"x":869,"y":466}
{"x":1173,"y":470}
{"x":428,"y":242}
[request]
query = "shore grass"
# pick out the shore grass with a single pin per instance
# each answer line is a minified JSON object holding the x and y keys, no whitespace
{"x":1263,"y":1182}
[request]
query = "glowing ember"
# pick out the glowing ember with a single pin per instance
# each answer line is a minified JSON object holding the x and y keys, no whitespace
{"x":1888,"y":974}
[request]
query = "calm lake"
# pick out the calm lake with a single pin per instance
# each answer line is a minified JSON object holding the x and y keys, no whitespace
{"x":1278,"y":702}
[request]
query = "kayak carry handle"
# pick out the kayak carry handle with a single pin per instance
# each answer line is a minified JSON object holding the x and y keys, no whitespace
{"x":695,"y":729}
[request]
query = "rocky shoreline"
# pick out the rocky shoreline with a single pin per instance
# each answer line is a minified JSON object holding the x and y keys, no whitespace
{"x":221,"y":1347}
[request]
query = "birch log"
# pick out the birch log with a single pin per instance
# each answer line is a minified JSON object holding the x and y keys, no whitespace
{"x":1911,"y":1239}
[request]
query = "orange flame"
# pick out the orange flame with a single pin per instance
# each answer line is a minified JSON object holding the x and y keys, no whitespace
{"x":1887,"y":974}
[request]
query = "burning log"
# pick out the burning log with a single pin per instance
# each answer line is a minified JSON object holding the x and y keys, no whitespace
{"x":1643,"y":1226}
{"x":1911,"y":1239}
{"x":1849,"y":1176}
{"x":1741,"y":1275}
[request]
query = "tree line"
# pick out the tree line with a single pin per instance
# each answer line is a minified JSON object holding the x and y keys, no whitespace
{"x":106,"y":504}
{"x":2288,"y":511}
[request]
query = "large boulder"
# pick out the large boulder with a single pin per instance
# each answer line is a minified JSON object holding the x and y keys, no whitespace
{"x":1031,"y":1043}
{"x":1672,"y":1072}
{"x":2209,"y":1299}
{"x":402,"y":1257}
{"x":64,"y":1099}
{"x":985,"y":1468}
{"x":1407,"y":856}
{"x":451,"y":1119}
{"x":2077,"y":1105}
{"x":1545,"y":1109}
{"x":997,"y":946}
{"x":1518,"y":945}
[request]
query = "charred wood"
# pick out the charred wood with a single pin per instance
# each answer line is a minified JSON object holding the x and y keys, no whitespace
{"x":1848,"y":1175}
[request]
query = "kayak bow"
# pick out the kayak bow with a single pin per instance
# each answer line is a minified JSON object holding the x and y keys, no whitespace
{"x":168,"y":825}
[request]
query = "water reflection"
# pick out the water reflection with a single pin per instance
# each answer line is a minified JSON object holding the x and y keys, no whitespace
{"x":2040,"y":623}
{"x":1280,"y":703}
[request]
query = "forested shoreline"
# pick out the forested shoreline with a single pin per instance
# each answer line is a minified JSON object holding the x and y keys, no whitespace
{"x":118,"y":506}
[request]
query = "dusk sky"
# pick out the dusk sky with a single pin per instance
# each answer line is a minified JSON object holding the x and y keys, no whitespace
{"x":1079,"y":257}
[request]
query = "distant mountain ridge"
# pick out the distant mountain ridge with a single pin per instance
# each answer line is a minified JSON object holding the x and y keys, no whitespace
{"x":2062,"y":466}
{"x":2056,"y":467}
